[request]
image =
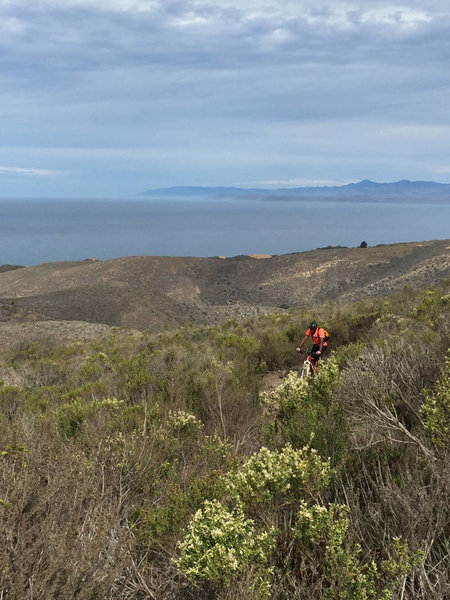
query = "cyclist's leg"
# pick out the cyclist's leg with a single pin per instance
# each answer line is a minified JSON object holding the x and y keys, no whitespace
{"x":314,"y":358}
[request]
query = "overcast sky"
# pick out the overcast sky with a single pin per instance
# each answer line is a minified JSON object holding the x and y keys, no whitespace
{"x":111,"y":97}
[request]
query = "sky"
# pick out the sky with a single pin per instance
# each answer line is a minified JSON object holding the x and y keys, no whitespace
{"x":108,"y":98}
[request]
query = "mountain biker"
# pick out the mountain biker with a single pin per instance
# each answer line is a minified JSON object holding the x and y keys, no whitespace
{"x":320,"y":341}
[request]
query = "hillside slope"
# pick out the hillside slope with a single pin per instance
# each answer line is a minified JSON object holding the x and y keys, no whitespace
{"x":158,"y":292}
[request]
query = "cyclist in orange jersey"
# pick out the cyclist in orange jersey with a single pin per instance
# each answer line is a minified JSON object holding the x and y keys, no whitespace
{"x":320,"y":341}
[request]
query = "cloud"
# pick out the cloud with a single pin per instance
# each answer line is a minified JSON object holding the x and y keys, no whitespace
{"x":397,"y":16}
{"x":29,"y":172}
{"x":260,"y":90}
{"x":12,"y":25}
{"x":53,"y":44}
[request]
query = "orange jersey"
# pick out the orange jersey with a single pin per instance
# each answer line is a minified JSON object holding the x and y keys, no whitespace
{"x":319,"y":333}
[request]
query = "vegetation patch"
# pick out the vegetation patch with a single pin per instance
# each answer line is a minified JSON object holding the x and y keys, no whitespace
{"x":154,"y":465}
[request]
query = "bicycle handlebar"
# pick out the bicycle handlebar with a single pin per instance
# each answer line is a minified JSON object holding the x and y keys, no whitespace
{"x":301,"y":351}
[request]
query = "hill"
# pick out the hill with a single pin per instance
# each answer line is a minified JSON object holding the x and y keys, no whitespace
{"x":157,"y":293}
{"x":4,"y":268}
{"x":366,"y":190}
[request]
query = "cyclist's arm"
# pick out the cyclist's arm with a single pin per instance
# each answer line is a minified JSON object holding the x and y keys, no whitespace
{"x":322,"y":339}
{"x":305,"y":337}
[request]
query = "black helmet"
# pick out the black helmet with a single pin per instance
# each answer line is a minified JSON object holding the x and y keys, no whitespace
{"x":313,"y":325}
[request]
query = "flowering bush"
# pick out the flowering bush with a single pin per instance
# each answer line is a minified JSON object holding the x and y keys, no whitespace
{"x":181,"y":422}
{"x":287,"y":397}
{"x":285,"y":472}
{"x":220,"y":544}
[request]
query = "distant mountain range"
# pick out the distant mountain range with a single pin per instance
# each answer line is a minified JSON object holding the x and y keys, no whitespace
{"x":403,"y":190}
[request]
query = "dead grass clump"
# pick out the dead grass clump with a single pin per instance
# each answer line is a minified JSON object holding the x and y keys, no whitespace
{"x":62,"y":527}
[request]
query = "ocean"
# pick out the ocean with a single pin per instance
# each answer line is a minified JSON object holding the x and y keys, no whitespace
{"x":38,"y":231}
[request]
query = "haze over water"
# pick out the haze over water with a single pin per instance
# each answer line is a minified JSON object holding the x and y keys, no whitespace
{"x":38,"y":231}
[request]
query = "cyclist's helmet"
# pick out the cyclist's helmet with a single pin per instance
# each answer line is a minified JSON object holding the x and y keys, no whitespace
{"x":313,"y":325}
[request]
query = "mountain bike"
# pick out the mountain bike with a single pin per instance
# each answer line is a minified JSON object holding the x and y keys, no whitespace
{"x":309,"y":365}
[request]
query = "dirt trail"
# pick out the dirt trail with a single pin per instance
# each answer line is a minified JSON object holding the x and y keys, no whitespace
{"x":272,"y":380}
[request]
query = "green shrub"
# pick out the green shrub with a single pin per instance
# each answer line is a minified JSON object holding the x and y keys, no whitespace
{"x":325,"y":380}
{"x":291,"y":415}
{"x":221,"y":544}
{"x":86,"y":391}
{"x":70,"y":417}
{"x":276,"y":350}
{"x":11,"y":400}
{"x":159,"y":525}
{"x":435,"y":410}
{"x":299,"y":409}
{"x":95,"y":365}
{"x":321,"y":533}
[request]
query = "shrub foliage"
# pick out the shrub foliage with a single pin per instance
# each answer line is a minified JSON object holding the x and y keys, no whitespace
{"x":158,"y":466}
